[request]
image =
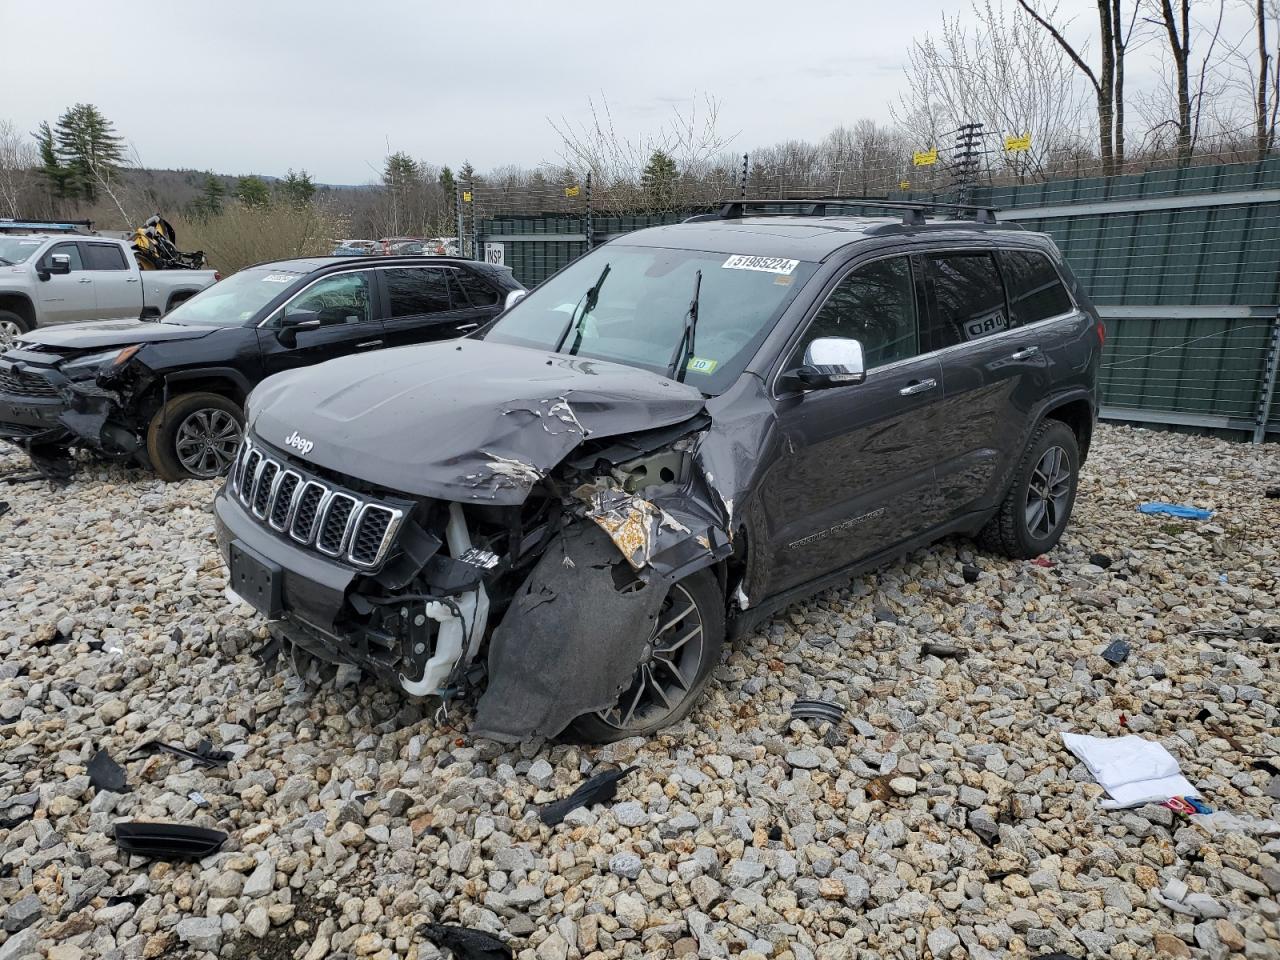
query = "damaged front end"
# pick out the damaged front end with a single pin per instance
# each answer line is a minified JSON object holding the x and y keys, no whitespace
{"x":50,"y":402}
{"x":540,"y":578}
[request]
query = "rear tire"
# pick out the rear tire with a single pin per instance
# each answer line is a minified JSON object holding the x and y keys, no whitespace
{"x":194,"y":435}
{"x":12,"y":326}
{"x":1037,"y":508}
{"x":681,"y":689}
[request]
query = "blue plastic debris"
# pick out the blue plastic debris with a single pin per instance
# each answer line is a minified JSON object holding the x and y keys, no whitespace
{"x":1175,"y":510}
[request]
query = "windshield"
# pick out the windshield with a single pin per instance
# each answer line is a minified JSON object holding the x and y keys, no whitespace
{"x":640,"y":309}
{"x":233,"y":301}
{"x":15,"y":250}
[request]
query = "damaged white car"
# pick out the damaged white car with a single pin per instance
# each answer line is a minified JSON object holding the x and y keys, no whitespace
{"x":679,"y":433}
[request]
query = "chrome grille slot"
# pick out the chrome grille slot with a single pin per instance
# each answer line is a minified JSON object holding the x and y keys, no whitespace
{"x":372,"y":528}
{"x":251,"y":463}
{"x":282,"y":503}
{"x":310,"y":499}
{"x":337,"y":519}
{"x":263,"y":489}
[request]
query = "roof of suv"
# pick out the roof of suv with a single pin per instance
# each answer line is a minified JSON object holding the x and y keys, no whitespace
{"x":804,"y":238}
{"x":311,"y":264}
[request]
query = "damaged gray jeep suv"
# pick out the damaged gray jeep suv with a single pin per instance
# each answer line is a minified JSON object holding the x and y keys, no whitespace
{"x":671,"y":438}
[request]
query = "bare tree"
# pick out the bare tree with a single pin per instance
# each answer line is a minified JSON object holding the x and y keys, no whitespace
{"x":1003,"y":72}
{"x":18,"y":160}
{"x":1108,"y":80}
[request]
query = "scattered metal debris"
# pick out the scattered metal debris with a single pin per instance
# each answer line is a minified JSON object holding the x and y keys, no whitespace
{"x":106,"y":774}
{"x":198,"y":798}
{"x":601,"y":788}
{"x":465,"y":943}
{"x":817,"y":710}
{"x":204,"y":754}
{"x":943,"y":651}
{"x":167,"y":841}
{"x":1117,"y":652}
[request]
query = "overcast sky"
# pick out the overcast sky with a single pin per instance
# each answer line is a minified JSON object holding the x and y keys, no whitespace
{"x":260,"y":87}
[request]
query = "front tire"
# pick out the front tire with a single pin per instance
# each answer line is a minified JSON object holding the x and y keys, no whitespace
{"x":1036,"y":510}
{"x":675,"y":665}
{"x":12,"y":326}
{"x":195,"y":435}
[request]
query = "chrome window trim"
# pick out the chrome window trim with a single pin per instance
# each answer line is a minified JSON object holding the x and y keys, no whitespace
{"x":363,"y":268}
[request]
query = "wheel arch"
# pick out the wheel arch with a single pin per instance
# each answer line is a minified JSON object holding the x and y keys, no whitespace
{"x":224,"y":381}
{"x":1078,"y":414}
{"x":20,"y":304}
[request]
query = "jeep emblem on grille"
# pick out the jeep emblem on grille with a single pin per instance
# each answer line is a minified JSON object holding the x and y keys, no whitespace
{"x":299,"y":443}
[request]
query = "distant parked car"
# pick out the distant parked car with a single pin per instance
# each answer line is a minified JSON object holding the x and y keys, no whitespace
{"x":171,"y":394}
{"x":64,"y":278}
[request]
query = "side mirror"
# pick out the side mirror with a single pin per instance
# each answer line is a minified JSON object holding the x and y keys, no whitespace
{"x":829,"y":362}
{"x":291,"y":321}
{"x":58,"y":264}
{"x":514,"y":297}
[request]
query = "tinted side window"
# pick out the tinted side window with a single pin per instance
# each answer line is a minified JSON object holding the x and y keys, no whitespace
{"x":415,"y":291}
{"x":875,"y":304}
{"x":969,"y":297}
{"x":103,"y":256}
{"x":478,"y":292}
{"x":343,"y":298}
{"x":1035,"y":289}
{"x":72,"y":250}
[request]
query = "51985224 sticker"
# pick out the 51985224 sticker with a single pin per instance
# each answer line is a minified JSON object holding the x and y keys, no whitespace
{"x":740,"y":261}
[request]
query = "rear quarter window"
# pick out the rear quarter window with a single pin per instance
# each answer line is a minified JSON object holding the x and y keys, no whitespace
{"x":1036,"y":291}
{"x":969,"y":298}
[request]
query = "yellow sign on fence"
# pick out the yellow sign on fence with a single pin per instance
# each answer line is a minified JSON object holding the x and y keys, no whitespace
{"x":572,"y":191}
{"x":904,"y":184}
{"x":466,"y":196}
{"x":925,"y":158}
{"x":1017,"y":144}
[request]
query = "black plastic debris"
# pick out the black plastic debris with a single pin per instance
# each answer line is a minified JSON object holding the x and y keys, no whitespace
{"x":970,"y":573}
{"x":1203,"y":714}
{"x":943,"y":651}
{"x":204,"y":754}
{"x":775,"y":833}
{"x":465,"y":943}
{"x":1100,"y":560}
{"x":1117,"y":652}
{"x":106,"y":774}
{"x":1273,"y":493}
{"x":168,"y":841}
{"x":137,"y":899}
{"x":177,"y":635}
{"x":20,"y":477}
{"x":269,"y":652}
{"x":4,"y":507}
{"x":817,"y":710}
{"x":601,"y":788}
{"x":8,"y":823}
{"x":884,"y":615}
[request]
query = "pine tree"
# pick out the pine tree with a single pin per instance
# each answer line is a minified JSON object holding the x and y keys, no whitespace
{"x":447,"y":183}
{"x":253,"y":191}
{"x":88,"y":148}
{"x":55,"y":174}
{"x":209,"y":203}
{"x":401,"y":171}
{"x":297,"y":188}
{"x":659,"y":180}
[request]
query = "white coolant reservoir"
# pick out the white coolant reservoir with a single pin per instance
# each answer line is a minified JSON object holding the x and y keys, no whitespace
{"x":453,"y":633}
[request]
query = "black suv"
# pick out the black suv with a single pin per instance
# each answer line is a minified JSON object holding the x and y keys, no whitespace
{"x":668,"y":440}
{"x":170,"y":394}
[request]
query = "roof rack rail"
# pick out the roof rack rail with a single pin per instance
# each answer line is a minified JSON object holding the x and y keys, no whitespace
{"x":29,"y":223}
{"x":914,"y":210}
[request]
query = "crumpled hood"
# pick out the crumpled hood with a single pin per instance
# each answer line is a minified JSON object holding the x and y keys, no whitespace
{"x":463,"y":420}
{"x":100,"y":334}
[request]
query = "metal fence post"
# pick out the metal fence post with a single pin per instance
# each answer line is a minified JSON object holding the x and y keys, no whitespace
{"x":1267,"y":388}
{"x":742,"y":185}
{"x":457,"y":207}
{"x":587,"y":221}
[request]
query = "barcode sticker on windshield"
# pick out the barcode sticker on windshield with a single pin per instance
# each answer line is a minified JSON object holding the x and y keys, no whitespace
{"x":741,"y":261}
{"x":279,"y":278}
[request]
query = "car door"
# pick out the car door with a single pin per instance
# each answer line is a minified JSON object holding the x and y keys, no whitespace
{"x":340,"y":314}
{"x":116,"y":289}
{"x":426,"y":303}
{"x":993,"y":374}
{"x":65,"y":297}
{"x":856,"y":473}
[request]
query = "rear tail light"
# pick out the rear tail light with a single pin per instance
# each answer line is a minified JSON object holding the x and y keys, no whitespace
{"x":1102,"y":333}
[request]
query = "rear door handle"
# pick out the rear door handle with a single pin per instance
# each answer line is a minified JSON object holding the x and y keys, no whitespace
{"x":85,"y":280}
{"x":131,"y":280}
{"x":1025,"y":354}
{"x":467,"y":326}
{"x":368,"y":343}
{"x":918,"y":386}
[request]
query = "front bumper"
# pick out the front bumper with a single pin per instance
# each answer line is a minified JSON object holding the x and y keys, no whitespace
{"x":30,"y":407}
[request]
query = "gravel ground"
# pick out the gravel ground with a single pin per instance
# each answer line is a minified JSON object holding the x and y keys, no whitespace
{"x":943,"y":819}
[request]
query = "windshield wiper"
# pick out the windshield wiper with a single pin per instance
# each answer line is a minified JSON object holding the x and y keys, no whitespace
{"x":588,"y":303}
{"x":4,"y":262}
{"x":684,"y":349}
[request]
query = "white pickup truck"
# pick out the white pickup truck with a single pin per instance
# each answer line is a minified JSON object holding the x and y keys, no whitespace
{"x":63,"y":278}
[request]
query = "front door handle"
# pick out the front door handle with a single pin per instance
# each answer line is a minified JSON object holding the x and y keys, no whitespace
{"x":918,"y":386}
{"x":467,"y":326}
{"x":1026,"y":353}
{"x":85,"y":280}
{"x":368,"y":343}
{"x":131,"y":280}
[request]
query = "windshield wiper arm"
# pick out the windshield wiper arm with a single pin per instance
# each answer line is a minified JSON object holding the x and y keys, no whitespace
{"x":684,"y":349}
{"x":588,"y":303}
{"x":7,"y":263}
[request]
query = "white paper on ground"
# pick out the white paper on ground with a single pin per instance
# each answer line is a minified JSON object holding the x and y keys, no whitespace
{"x":1132,"y":770}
